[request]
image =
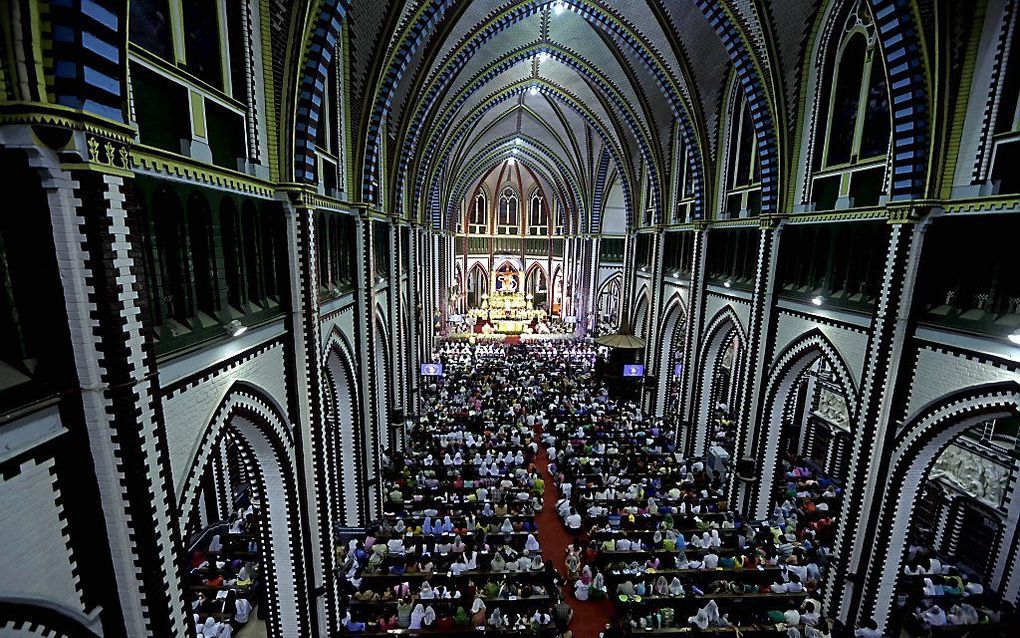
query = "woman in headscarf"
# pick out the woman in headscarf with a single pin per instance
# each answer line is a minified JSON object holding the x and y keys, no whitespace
{"x":531,"y":544}
{"x":934,"y":616}
{"x":676,"y":588}
{"x":703,"y":618}
{"x":427,"y":592}
{"x":438,"y":527}
{"x":498,"y":563}
{"x":581,"y":589}
{"x":640,"y":588}
{"x":460,"y":617}
{"x":417,"y":617}
{"x":507,"y":527}
{"x":496,"y":620}
{"x":537,"y":564}
{"x":598,"y":586}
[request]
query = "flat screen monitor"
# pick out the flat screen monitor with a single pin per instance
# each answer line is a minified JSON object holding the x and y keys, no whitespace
{"x":431,"y":369}
{"x":633,"y":370}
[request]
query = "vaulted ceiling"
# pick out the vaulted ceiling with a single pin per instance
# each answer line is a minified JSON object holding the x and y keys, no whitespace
{"x":581,"y":91}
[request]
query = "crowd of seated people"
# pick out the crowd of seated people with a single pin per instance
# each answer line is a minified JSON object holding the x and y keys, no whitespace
{"x":939,"y":598}
{"x":457,"y":548}
{"x":656,"y":535}
{"x":224,"y":575}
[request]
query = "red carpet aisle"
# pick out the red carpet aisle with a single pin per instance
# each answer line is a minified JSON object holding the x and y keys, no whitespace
{"x":590,"y":617}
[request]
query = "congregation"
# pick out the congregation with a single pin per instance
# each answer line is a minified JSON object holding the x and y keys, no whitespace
{"x":647,"y":533}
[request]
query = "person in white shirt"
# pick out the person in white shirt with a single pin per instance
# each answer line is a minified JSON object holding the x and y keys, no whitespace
{"x":242,"y":610}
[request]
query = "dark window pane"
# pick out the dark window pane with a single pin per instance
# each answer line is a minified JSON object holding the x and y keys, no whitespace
{"x":232,"y":253}
{"x":161,"y":110}
{"x":866,"y":186}
{"x":200,"y":236}
{"x":150,"y":27}
{"x":226,"y":135}
{"x":202,"y":40}
{"x":875,"y":136}
{"x":846,"y":97}
{"x":1007,"y":159}
{"x":826,"y":191}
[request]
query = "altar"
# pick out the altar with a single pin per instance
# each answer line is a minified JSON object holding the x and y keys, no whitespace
{"x":508,"y":310}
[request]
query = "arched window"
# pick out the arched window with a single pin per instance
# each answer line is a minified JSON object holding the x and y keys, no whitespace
{"x":684,"y":181}
{"x":478,"y":222}
{"x":509,"y":220}
{"x":1006,"y":129}
{"x":171,"y":256}
{"x":538,"y":220}
{"x":200,"y":247}
{"x":329,"y":143}
{"x":854,"y":133}
{"x":743,"y":168}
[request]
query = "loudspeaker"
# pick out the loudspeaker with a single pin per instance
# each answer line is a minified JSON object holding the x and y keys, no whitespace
{"x":747,"y":469}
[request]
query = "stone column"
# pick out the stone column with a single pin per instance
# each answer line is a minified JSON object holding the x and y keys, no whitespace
{"x":873,"y":427}
{"x":97,"y":227}
{"x":755,"y":361}
{"x":315,"y":444}
{"x":692,"y":342}
{"x":372,"y":423}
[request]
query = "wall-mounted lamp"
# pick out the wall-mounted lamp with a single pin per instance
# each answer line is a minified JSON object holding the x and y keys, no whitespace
{"x":235,"y":328}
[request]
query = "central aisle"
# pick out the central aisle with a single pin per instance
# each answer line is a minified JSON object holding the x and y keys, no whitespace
{"x":590,"y":617}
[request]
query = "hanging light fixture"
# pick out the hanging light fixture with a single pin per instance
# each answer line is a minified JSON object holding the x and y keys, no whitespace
{"x":817,"y":300}
{"x":559,"y":7}
{"x":1014,"y":337}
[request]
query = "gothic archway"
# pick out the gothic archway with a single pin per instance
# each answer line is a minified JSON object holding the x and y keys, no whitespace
{"x":252,"y":421}
{"x":916,"y":447}
{"x":716,"y":379}
{"x":343,"y":416}
{"x":789,"y":370}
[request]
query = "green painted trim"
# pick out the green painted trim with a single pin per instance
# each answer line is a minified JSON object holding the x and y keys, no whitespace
{"x":272,"y":121}
{"x":197,"y":114}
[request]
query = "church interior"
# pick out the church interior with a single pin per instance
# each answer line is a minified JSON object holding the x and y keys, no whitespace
{"x":553,"y":318}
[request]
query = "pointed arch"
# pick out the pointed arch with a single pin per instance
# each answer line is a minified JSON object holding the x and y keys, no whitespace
{"x":916,"y":447}
{"x":641,"y":313}
{"x":24,"y":618}
{"x":259,"y":427}
{"x":783,"y":379}
{"x":721,"y":330}
{"x":674,"y":317}
{"x":343,"y":414}
{"x":381,"y":362}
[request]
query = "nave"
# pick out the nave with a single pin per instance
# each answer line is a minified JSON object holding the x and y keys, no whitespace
{"x":260,"y":259}
{"x":529,"y":500}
